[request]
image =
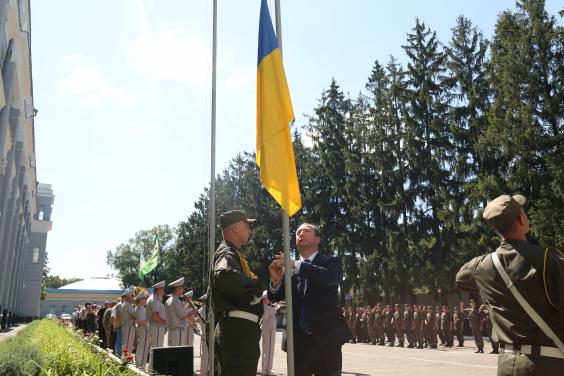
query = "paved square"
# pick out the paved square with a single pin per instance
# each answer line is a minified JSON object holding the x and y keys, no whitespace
{"x":364,"y":359}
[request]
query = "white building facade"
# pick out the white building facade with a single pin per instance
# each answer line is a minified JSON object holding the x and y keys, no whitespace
{"x":25,"y":204}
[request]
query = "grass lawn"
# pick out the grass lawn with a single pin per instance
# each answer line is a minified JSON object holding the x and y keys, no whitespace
{"x":45,"y":347}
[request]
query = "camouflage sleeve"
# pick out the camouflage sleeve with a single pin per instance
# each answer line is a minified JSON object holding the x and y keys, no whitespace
{"x":465,"y":276}
{"x":230,"y":280}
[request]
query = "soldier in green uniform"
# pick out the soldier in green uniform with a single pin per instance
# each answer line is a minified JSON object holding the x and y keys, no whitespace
{"x":397,"y":324}
{"x":236,"y":299}
{"x":458,"y":325}
{"x":388,"y":327}
{"x":437,"y":329}
{"x":475,"y":319}
{"x":418,"y":323}
{"x":379,"y":325}
{"x":371,"y":331}
{"x":407,"y":325}
{"x":538,"y":274}
{"x":430,"y":333}
{"x":489,"y":328}
{"x":446,"y":326}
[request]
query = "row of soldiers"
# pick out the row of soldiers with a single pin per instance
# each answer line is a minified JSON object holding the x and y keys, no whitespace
{"x":418,"y":326}
{"x":136,"y":323}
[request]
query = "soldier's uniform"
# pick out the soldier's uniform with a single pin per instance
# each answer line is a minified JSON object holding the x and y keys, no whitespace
{"x":458,"y":327}
{"x":176,"y":314}
{"x":489,"y":328}
{"x":128,"y":325}
{"x":155,"y":305}
{"x":370,"y":323}
{"x":398,"y":327}
{"x":418,"y":321}
{"x":379,"y":327}
{"x":446,"y":326}
{"x":538,"y":274}
{"x":407,"y":326}
{"x":437,"y":328}
{"x":390,"y":332}
{"x":142,"y":331}
{"x":236,"y":303}
{"x":474,"y":320}
{"x":203,"y":336}
{"x":268,"y":329}
{"x":430,"y":329}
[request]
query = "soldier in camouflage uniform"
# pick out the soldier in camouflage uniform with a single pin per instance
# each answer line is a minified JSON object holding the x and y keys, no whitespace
{"x":379,"y":325}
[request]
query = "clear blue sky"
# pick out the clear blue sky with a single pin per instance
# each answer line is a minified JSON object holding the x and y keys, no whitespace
{"x":123,"y":93}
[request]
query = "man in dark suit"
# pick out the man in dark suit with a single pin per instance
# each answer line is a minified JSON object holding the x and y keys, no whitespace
{"x":319,"y":327}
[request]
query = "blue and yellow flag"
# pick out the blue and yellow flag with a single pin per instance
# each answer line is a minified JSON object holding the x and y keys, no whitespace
{"x":275,"y":154}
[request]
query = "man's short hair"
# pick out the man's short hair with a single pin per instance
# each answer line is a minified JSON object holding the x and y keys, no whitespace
{"x":316,"y":230}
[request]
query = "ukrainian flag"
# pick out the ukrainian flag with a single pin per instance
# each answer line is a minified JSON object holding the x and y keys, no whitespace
{"x":275,"y":155}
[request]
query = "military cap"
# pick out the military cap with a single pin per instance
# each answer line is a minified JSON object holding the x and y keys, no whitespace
{"x":140,"y":296}
{"x":189,"y":294}
{"x":233,"y":216}
{"x":159,"y":285}
{"x":503,"y":211}
{"x":203,"y":298}
{"x":179,"y":282}
{"x":264,"y":294}
{"x":129,"y":292}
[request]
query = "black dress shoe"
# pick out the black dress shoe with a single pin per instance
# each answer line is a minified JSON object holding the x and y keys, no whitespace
{"x":494,"y":352}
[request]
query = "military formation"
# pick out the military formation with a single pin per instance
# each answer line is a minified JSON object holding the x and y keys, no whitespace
{"x":135,"y":323}
{"x":417,"y":326}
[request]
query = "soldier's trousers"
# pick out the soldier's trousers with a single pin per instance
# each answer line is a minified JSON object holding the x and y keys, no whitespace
{"x":203,"y":355}
{"x":400,"y":335}
{"x":157,"y":335}
{"x":410,"y":337}
{"x":237,"y":344}
{"x":380,"y":336}
{"x":127,"y":338}
{"x":177,"y":337}
{"x":143,"y":343}
{"x":447,"y":335}
{"x":459,"y":336}
{"x":268,"y":346}
{"x":420,"y":338}
{"x":478,"y":338}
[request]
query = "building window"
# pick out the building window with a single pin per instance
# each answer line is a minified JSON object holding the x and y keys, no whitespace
{"x":40,"y":215}
{"x":64,"y":309}
{"x":35,"y":258}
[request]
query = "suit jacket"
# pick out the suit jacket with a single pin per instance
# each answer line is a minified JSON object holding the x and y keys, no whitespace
{"x":320,"y":302}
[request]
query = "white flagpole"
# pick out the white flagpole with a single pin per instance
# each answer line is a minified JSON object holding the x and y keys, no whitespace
{"x":286,"y":243}
{"x":211,"y":211}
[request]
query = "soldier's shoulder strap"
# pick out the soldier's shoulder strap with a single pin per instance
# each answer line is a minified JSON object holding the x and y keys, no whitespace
{"x":526,"y":306}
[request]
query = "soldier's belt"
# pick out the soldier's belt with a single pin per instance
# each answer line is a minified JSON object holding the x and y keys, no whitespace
{"x":552,"y":352}
{"x":243,"y":315}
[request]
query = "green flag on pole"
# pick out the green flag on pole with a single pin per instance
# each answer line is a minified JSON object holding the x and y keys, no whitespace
{"x":141,"y":266}
{"x":146,"y":267}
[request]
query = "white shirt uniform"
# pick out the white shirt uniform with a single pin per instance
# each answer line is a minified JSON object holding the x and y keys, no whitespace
{"x":154,"y":304}
{"x":203,"y":343}
{"x":143,"y":340}
{"x":128,"y":327}
{"x":268,"y":338}
{"x":177,"y":325}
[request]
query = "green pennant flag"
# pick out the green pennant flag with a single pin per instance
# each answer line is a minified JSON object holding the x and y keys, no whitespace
{"x":153,"y":261}
{"x":141,"y":266}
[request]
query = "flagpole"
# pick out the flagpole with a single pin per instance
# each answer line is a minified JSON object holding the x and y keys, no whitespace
{"x":286,"y":243}
{"x":211,"y":320}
